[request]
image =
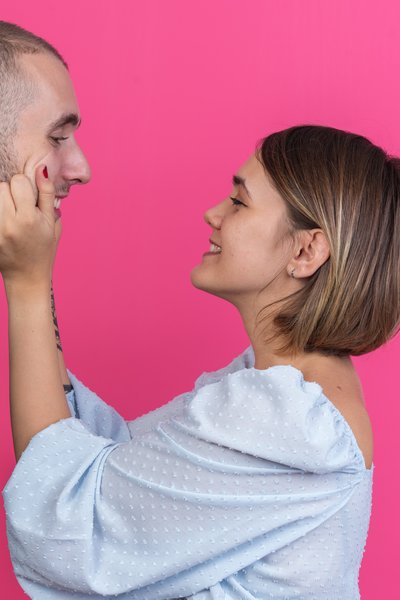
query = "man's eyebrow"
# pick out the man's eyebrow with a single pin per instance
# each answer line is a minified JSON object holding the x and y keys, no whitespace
{"x":66,"y":119}
{"x":236,"y":180}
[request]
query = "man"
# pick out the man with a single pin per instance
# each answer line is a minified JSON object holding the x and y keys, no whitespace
{"x":39,"y":117}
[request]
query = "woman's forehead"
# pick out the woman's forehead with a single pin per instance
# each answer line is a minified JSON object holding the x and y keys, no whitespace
{"x":254,"y":178}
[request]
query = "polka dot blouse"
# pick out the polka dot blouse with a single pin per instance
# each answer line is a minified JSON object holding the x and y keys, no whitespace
{"x":250,"y":486}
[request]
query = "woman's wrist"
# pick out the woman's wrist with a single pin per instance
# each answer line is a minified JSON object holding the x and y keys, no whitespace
{"x":27,"y":290}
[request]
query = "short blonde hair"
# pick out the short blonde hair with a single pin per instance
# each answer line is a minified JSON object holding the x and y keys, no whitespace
{"x":16,"y":91}
{"x":343,"y":184}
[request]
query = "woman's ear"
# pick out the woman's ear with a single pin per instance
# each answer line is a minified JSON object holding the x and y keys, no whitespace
{"x":312,"y":251}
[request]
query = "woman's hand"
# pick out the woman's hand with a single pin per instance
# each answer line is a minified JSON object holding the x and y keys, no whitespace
{"x":29,"y":230}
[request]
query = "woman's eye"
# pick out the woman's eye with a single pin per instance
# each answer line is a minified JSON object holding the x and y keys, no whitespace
{"x":235,"y":201}
{"x":58,"y":140}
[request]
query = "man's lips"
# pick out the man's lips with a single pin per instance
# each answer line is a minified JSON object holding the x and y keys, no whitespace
{"x":58,"y":198}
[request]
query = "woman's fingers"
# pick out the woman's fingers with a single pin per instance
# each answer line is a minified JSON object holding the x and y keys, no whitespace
{"x":28,"y":231}
{"x":7,"y":205}
{"x":46,"y":192}
{"x":26,"y":199}
{"x":22,"y":194}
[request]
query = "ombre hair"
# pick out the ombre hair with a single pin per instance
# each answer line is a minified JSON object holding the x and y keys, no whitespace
{"x":342,"y":183}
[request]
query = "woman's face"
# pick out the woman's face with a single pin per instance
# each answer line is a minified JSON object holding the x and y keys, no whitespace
{"x":252,"y":233}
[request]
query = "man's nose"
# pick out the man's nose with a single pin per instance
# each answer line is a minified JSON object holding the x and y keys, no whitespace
{"x":77,"y":169}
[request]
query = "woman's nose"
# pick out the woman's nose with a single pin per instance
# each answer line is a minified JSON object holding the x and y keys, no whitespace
{"x":213,"y":216}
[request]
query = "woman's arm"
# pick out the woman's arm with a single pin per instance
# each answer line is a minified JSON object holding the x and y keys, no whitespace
{"x":236,"y":471}
{"x":63,"y":371}
{"x":28,"y":241}
{"x":37,"y":397}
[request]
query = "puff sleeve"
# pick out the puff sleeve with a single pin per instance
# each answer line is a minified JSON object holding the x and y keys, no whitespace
{"x":231,"y":472}
{"x":100,"y":418}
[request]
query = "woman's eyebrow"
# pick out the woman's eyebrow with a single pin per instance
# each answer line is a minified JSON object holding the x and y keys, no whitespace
{"x":237,"y":180}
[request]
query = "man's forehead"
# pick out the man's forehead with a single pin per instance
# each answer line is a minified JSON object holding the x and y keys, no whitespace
{"x":52,"y":84}
{"x":43,"y":65}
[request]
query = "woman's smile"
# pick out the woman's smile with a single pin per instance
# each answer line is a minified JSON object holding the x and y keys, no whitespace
{"x":214,"y":250}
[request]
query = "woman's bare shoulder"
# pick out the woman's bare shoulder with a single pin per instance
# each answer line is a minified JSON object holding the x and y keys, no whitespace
{"x":341,"y":385}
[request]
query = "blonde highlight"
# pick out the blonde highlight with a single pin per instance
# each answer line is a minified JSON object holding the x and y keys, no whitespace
{"x":343,"y":184}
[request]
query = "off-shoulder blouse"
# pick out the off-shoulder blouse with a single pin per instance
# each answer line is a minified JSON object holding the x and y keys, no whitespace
{"x":250,"y":486}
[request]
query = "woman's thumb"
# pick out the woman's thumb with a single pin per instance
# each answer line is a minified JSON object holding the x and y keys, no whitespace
{"x":46,"y":191}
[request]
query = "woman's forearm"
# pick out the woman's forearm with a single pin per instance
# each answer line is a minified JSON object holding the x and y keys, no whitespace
{"x":63,"y":371}
{"x":37,"y":397}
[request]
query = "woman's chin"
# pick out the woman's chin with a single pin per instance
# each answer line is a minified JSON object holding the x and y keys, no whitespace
{"x":204,"y":283}
{"x":198,"y":281}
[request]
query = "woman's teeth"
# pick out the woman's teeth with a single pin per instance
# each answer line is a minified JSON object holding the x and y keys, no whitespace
{"x":214,"y":248}
{"x":57,"y":203}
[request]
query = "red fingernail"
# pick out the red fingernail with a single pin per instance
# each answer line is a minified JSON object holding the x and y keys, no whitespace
{"x":45,"y":173}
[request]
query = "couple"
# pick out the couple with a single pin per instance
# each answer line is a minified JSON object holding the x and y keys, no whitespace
{"x":256,"y":483}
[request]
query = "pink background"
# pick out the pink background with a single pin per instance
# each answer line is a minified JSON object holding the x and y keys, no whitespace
{"x":174,"y":95}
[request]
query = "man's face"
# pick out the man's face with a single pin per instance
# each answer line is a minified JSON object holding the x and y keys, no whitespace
{"x":46,"y":127}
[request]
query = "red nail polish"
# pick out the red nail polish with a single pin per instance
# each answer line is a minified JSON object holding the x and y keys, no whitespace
{"x":45,"y":173}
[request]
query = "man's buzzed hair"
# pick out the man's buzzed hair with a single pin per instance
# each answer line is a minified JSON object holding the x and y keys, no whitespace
{"x":16,"y":90}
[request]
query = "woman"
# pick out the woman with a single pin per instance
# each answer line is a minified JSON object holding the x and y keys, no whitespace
{"x":258,"y":482}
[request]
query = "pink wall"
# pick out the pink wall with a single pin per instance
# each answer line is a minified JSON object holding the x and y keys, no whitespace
{"x":174,"y":95}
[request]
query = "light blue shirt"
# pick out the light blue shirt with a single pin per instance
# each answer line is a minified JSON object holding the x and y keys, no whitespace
{"x":250,"y":486}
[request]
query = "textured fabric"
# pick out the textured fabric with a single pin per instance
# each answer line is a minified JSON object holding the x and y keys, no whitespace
{"x":250,"y":486}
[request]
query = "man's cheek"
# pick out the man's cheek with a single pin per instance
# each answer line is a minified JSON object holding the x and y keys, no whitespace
{"x":30,"y":166}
